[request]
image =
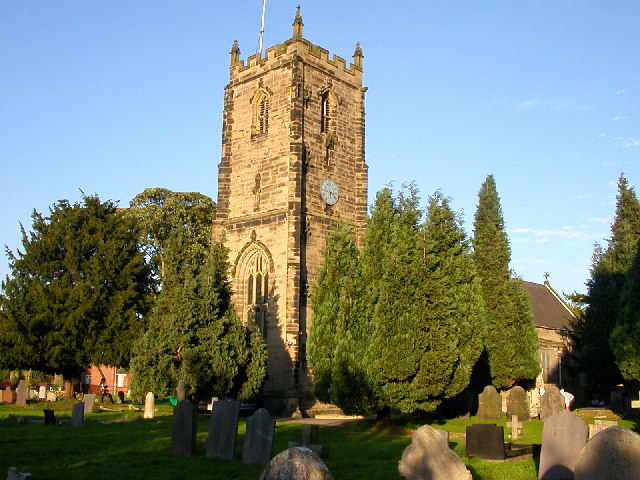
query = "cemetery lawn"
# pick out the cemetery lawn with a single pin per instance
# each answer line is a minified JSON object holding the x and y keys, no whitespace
{"x":122,"y":445}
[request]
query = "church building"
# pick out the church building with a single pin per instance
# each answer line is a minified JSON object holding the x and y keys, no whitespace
{"x":292,"y":165}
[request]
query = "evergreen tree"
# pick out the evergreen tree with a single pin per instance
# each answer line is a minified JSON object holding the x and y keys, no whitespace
{"x":77,"y":292}
{"x":608,"y":274}
{"x":511,"y":342}
{"x":429,"y":319}
{"x":338,"y":336}
{"x":195,"y":335}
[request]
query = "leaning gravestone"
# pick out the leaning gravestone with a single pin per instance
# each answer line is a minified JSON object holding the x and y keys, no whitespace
{"x":149,"y":405}
{"x":563,"y":436}
{"x":21,"y":394}
{"x":296,"y":463}
{"x":258,"y":440}
{"x":223,"y":430}
{"x":89,"y":399}
{"x":518,"y":403}
{"x":599,"y":425}
{"x":490,"y":403}
{"x":429,"y":457}
{"x":551,"y":402}
{"x":613,"y":454}
{"x":77,"y":414}
{"x":184,"y":429}
{"x":485,"y":440}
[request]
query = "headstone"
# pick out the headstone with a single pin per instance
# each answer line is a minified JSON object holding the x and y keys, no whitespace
{"x":296,"y":463}
{"x":9,"y":395}
{"x":223,"y":430}
{"x":89,"y":399}
{"x":14,"y":474}
{"x":617,"y":402}
{"x":51,"y":396}
{"x":50,"y":417}
{"x":515,"y":427}
{"x":149,"y":405}
{"x":485,"y":440}
{"x":563,"y":436}
{"x":185,"y":427}
{"x":120,"y":396}
{"x":551,"y":402}
{"x":42,"y":393}
{"x":181,"y":391}
{"x":258,"y":439}
{"x":599,"y":425}
{"x":77,"y":414}
{"x":21,"y":394}
{"x":490,"y":404}
{"x":429,"y":458}
{"x":613,"y":454}
{"x":309,"y":439}
{"x":635,"y":403}
{"x":518,"y":403}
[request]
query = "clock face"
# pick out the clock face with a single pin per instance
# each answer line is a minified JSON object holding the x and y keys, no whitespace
{"x":329,"y":191}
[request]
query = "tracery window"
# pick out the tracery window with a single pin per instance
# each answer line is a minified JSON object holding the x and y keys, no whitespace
{"x":257,"y":291}
{"x":325,"y":113}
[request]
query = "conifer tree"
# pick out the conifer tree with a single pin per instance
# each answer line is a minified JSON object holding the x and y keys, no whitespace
{"x":608,"y":274}
{"x":511,"y":342}
{"x":77,"y":292}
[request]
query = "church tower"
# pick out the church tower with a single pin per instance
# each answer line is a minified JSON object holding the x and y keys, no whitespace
{"x":292,"y":165}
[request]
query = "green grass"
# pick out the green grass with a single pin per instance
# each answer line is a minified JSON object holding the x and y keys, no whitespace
{"x":128,"y":447}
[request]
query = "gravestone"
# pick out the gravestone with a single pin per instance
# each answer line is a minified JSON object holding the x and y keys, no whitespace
{"x":599,"y":425}
{"x":9,"y":395}
{"x":184,"y":429}
{"x":120,"y":396}
{"x":518,"y":403}
{"x":515,"y":427}
{"x":223,"y":430}
{"x":617,"y":402}
{"x":309,"y":439}
{"x":612,"y":454}
{"x":563,"y":436}
{"x":296,"y":463}
{"x":181,"y":391}
{"x":89,"y":399}
{"x":42,"y":393}
{"x":149,"y":405}
{"x":485,"y":440}
{"x":77,"y":414}
{"x":551,"y":402}
{"x":258,"y":439}
{"x":49,"y":417}
{"x":490,"y":404}
{"x":14,"y":474}
{"x":21,"y":394}
{"x":635,"y":403}
{"x":51,"y":396}
{"x":429,"y":457}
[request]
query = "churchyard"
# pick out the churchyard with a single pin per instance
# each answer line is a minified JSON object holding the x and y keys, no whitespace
{"x":123,"y":444}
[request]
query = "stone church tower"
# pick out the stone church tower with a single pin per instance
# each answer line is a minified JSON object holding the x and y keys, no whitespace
{"x":292,"y":165}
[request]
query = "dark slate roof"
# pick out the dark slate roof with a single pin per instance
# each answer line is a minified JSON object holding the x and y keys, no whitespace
{"x":549,"y":309}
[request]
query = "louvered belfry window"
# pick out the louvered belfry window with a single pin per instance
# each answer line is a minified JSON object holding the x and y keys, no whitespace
{"x":263,"y":115}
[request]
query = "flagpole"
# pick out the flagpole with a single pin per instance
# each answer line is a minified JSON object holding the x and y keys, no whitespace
{"x":264,"y":8}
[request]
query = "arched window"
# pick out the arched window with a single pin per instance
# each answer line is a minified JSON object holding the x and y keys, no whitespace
{"x":257,"y":292}
{"x":260,"y":103}
{"x":325,"y":113}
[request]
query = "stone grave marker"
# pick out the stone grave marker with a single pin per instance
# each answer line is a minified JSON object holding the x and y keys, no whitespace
{"x":617,"y":402}
{"x":42,"y":393}
{"x":9,"y":395}
{"x":21,"y":394}
{"x":181,"y":391}
{"x":518,"y":403}
{"x":89,"y":400}
{"x":515,"y":427}
{"x":223,"y":430}
{"x":599,"y":425}
{"x":149,"y":405}
{"x":14,"y":474}
{"x":184,"y":429}
{"x":120,"y":396}
{"x":51,"y":396}
{"x":563,"y":436}
{"x":612,"y":454}
{"x":258,"y":439}
{"x":635,"y":403}
{"x":77,"y":414}
{"x":485,"y":440}
{"x":296,"y":463}
{"x":551,"y":402}
{"x":309,"y":439}
{"x":429,"y":456}
{"x":49,"y":417}
{"x":490,"y":403}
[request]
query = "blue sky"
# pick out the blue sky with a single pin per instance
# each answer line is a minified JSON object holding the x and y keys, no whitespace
{"x":114,"y":97}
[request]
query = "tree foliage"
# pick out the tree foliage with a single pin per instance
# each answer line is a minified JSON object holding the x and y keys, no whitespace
{"x":609,"y":271}
{"x":511,"y":341}
{"x":77,"y":292}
